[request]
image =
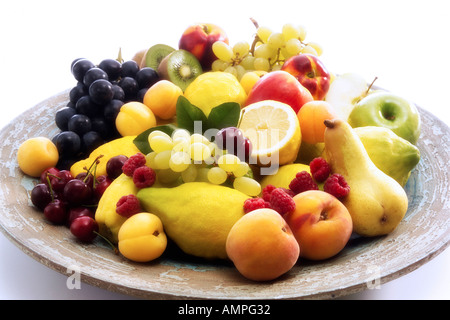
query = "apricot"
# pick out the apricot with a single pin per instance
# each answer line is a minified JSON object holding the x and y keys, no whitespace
{"x":142,"y":237}
{"x":37,"y":154}
{"x":261,"y":245}
{"x":134,"y":118}
{"x":321,"y":224}
{"x":162,"y":99}
{"x":311,"y":117}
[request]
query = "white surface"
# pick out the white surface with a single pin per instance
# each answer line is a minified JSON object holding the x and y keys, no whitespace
{"x":403,"y":43}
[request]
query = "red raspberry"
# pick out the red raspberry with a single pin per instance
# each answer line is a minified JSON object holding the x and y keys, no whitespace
{"x":128,"y":206}
{"x":281,"y":201}
{"x":253,"y":204}
{"x":303,"y":181}
{"x":134,"y":162}
{"x":320,"y":169}
{"x":267,"y":190}
{"x":337,"y":186}
{"x":144,"y":177}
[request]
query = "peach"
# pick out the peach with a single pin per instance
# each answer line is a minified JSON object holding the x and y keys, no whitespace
{"x":311,"y":118}
{"x":321,"y":224}
{"x":261,"y":245}
{"x":279,"y":86}
{"x":37,"y":154}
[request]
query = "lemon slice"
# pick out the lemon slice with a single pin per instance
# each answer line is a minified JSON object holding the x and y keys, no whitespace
{"x":274,"y":131}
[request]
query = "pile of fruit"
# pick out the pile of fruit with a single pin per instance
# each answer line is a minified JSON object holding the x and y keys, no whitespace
{"x":252,"y":152}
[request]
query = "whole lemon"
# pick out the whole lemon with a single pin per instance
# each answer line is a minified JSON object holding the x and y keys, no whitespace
{"x":213,"y":88}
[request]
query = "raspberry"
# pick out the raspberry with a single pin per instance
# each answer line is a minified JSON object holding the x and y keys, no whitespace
{"x":303,"y":181}
{"x":134,"y":162}
{"x":128,"y":205}
{"x":144,"y":177}
{"x":281,"y":201}
{"x":267,"y":190}
{"x":320,"y":169}
{"x":337,"y":186}
{"x":253,"y":204}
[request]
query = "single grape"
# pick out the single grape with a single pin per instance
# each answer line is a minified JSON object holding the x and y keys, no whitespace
{"x":223,"y":51}
{"x":190,"y":174}
{"x":276,"y":40}
{"x":94,"y":74}
{"x":263,"y":33}
{"x":217,"y":175}
{"x":241,"y":49}
{"x":62,"y":117}
{"x":113,"y":68}
{"x":119,"y":94}
{"x":229,"y":139}
{"x":101,"y":91}
{"x":101,"y":126}
{"x":85,"y":105}
{"x":228,"y":162}
{"x":179,"y":161}
{"x":90,"y":141}
{"x":80,"y":67}
{"x":68,"y":144}
{"x":146,"y":77}
{"x":130,"y":87}
{"x":129,"y":69}
{"x":111,"y":110}
{"x":161,"y":159}
{"x":80,"y":124}
{"x":247,"y":185}
{"x":161,"y":143}
{"x":77,"y":92}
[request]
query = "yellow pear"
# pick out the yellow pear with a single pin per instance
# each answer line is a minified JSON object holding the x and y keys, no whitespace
{"x":376,"y":202}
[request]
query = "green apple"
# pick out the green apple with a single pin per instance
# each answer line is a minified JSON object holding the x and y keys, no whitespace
{"x":386,"y":109}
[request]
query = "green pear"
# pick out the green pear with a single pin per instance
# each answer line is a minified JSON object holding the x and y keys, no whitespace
{"x":197,"y":216}
{"x":391,"y":153}
{"x":376,"y":202}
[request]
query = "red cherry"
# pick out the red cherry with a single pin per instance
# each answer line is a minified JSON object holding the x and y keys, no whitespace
{"x":84,"y":228}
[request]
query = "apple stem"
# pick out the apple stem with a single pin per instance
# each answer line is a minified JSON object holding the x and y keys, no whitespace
{"x":371,"y":85}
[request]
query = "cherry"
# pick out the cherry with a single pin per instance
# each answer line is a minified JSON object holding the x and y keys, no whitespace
{"x":80,"y":211}
{"x":87,"y":177}
{"x":85,"y":228}
{"x":229,"y":138}
{"x":46,"y":172}
{"x":103,"y":182}
{"x":77,"y":192}
{"x":56,"y":211}
{"x":59,"y":180}
{"x":41,"y":195}
{"x":114,"y":166}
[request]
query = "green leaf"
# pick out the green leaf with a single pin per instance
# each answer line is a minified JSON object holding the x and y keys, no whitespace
{"x":187,"y":114}
{"x":225,"y":115}
{"x":141,"y":141}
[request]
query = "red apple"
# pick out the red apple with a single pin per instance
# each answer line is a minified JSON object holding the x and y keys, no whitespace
{"x":198,"y":40}
{"x":280,"y":86}
{"x":311,"y":73}
{"x":321,"y":224}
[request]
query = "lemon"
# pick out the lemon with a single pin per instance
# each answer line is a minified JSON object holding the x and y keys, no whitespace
{"x":213,"y":88}
{"x":283,"y":177}
{"x":274,"y":131}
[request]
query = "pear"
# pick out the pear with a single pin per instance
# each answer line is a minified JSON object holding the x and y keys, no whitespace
{"x":376,"y":202}
{"x":197,"y":216}
{"x":392,"y":154}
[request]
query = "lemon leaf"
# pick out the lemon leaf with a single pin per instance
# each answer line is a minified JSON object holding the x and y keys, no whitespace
{"x":141,"y":140}
{"x":224,"y":115}
{"x":187,"y":114}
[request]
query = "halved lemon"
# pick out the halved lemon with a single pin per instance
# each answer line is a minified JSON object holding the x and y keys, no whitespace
{"x":274,"y":131}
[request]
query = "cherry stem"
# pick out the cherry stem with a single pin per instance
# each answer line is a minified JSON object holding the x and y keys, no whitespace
{"x":116,"y":251}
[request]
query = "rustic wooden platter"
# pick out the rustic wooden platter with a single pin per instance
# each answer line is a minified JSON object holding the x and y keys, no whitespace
{"x":363,"y":264}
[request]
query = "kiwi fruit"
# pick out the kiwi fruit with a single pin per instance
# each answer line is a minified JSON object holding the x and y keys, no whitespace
{"x":156,"y":53}
{"x":180,"y":67}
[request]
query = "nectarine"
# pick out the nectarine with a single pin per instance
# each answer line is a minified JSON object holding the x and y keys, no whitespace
{"x":321,"y":224}
{"x":262,"y":246}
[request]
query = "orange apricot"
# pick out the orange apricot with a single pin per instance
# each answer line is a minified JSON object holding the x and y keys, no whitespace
{"x":311,"y":118}
{"x":162,"y":99}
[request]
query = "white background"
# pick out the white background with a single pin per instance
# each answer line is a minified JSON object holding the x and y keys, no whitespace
{"x":403,"y":43}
